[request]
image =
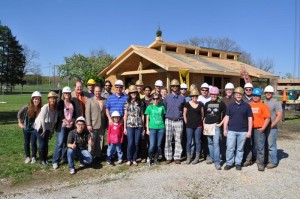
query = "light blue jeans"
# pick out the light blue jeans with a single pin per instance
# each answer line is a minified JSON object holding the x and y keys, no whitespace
{"x":235,"y":140}
{"x":272,"y":145}
{"x":156,"y":137}
{"x":111,"y":149}
{"x":84,"y":156}
{"x":214,"y":147}
{"x":260,"y":140}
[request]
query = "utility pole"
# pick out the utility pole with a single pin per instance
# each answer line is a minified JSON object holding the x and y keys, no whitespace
{"x":49,"y":75}
{"x":54,"y":76}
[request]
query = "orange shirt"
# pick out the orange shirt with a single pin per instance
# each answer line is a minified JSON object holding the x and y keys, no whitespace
{"x":260,"y":113}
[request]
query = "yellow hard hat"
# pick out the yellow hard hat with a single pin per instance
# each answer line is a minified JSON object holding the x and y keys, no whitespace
{"x":175,"y":82}
{"x":91,"y":82}
{"x":52,"y":94}
{"x":132,"y":89}
{"x":139,"y":83}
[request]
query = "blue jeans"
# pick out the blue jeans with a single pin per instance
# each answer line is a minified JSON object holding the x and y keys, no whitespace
{"x":133,"y":139}
{"x":272,"y":145}
{"x":30,"y":137}
{"x":111,"y":149}
{"x":193,"y":134}
{"x":260,"y":139}
{"x":60,"y":151}
{"x":156,"y":136}
{"x":235,"y":140}
{"x":43,"y":144}
{"x":84,"y":156}
{"x":214,"y":147}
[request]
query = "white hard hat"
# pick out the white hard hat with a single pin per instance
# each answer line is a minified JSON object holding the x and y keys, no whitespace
{"x":229,"y":86}
{"x":269,"y":89}
{"x":67,"y":89}
{"x":248,"y":85}
{"x":204,"y":85}
{"x":115,"y":114}
{"x":36,"y":94}
{"x":119,"y":82}
{"x":183,"y":86}
{"x":80,"y":118}
{"x":158,"y":83}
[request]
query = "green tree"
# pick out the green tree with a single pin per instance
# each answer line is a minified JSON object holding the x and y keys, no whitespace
{"x":12,"y":59}
{"x":83,"y":67}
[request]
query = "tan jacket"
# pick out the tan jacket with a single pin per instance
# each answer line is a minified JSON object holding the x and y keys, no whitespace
{"x":94,"y":116}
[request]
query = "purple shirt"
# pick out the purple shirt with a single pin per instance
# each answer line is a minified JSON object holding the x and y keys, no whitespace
{"x":174,"y":106}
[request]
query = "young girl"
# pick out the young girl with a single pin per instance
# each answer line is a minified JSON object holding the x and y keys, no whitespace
{"x":115,"y":138}
{"x":26,"y":117}
{"x":44,"y":125}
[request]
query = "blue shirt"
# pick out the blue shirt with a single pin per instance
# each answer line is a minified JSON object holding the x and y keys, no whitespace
{"x":116,"y":103}
{"x":174,"y":106}
{"x":238,"y":116}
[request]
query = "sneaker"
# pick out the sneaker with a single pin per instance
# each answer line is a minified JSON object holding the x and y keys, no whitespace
{"x":72,"y":171}
{"x":143,"y":160}
{"x":227,"y":167}
{"x":81,"y":165}
{"x":120,"y":161}
{"x":271,"y":166}
{"x":260,"y":167}
{"x":44,"y":164}
{"x":55,"y":165}
{"x":128,"y":163}
{"x":27,"y":160}
{"x":218,"y":167}
{"x":238,"y":167}
{"x":209,"y":161}
{"x":108,"y":163}
{"x":247,"y":163}
{"x":33,"y":160}
{"x":134,"y":163}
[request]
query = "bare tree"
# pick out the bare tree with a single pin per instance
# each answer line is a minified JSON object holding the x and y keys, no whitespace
{"x":264,"y":64}
{"x":288,"y":76}
{"x":31,"y":66}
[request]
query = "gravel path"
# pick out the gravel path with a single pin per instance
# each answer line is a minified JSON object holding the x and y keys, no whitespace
{"x":185,"y":181}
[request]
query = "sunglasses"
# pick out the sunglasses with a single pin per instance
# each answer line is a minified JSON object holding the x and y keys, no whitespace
{"x":155,"y":98}
{"x":183,"y":89}
{"x":248,"y":89}
{"x":119,"y":87}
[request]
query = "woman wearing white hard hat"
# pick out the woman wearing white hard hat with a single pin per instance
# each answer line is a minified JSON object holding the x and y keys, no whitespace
{"x":66,"y":119}
{"x":26,"y":117}
{"x":44,"y":125}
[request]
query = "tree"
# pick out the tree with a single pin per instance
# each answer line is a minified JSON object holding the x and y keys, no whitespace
{"x":83,"y":68}
{"x":31,"y":66}
{"x":12,"y":59}
{"x":288,"y":76}
{"x":227,"y":44}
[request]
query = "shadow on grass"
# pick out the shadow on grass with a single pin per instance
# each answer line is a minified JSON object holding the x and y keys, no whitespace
{"x":8,"y":117}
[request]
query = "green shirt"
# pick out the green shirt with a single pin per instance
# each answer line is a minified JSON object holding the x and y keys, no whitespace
{"x":156,"y":114}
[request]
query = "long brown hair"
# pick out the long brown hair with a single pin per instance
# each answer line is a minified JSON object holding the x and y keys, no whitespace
{"x":31,"y":109}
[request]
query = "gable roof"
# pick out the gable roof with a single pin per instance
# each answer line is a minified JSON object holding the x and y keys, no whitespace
{"x":171,"y":61}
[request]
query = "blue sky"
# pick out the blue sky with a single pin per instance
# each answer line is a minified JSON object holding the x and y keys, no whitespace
{"x":59,"y":28}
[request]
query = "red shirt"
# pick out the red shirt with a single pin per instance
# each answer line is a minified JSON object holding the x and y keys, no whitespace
{"x":115,"y":133}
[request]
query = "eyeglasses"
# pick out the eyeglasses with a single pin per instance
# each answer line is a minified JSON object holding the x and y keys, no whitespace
{"x":155,"y":98}
{"x":183,"y":89}
{"x":107,"y":85}
{"x":204,"y":90}
{"x":248,"y":89}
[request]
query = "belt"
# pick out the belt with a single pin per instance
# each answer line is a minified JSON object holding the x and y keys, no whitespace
{"x":173,"y":119}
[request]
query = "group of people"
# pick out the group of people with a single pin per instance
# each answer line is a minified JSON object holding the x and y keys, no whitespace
{"x":141,"y":122}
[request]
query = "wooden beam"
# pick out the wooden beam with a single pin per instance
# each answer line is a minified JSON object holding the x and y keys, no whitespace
{"x":137,"y":72}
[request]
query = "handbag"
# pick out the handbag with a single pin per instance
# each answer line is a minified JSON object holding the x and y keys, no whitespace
{"x":209,"y":129}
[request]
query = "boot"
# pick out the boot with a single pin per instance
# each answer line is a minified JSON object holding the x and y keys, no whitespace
{"x":41,"y":156}
{"x":150,"y":155}
{"x":188,"y":158}
{"x":196,"y":160}
{"x":156,"y":160}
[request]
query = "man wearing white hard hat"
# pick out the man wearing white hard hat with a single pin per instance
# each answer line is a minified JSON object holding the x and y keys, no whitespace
{"x":204,"y":91}
{"x":158,"y":84}
{"x":248,"y":87}
{"x":272,"y":132}
{"x":96,"y":121}
{"x":78,"y":141}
